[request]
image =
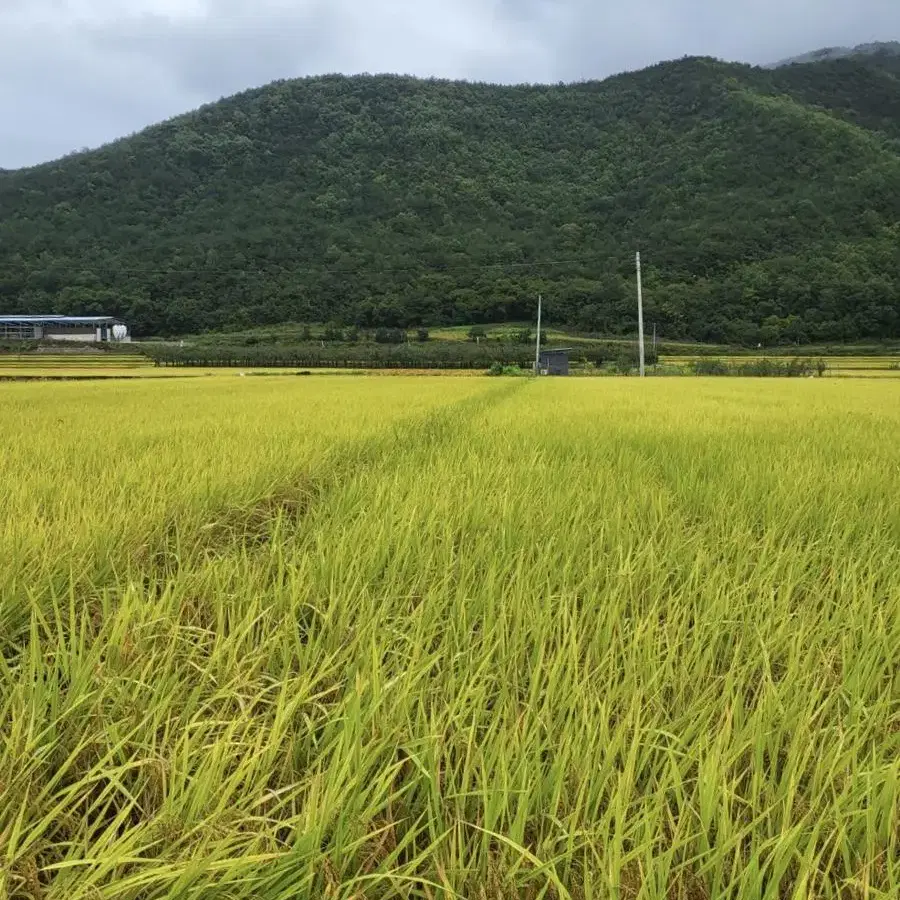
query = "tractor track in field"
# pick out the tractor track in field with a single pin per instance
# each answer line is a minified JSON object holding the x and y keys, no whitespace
{"x":175,"y":547}
{"x":253,"y":527}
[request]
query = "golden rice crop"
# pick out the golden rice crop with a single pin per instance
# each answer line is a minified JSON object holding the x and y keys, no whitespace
{"x":450,"y":637}
{"x":837,"y":366}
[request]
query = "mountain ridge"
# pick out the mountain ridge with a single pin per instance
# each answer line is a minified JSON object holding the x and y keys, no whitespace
{"x":766,"y":202}
{"x":825,"y":54}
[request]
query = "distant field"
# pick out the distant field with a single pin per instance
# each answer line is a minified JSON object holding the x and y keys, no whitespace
{"x":95,"y":365}
{"x":72,"y":373}
{"x":875,"y":366}
{"x":293,"y":335}
{"x":440,"y":637}
{"x":106,"y":360}
{"x":99,"y":372}
{"x":74,"y":364}
{"x":109,"y":365}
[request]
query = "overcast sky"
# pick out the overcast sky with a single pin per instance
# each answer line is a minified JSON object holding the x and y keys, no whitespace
{"x":79,"y":73}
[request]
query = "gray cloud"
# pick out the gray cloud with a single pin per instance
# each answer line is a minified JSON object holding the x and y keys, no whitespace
{"x":76,"y":73}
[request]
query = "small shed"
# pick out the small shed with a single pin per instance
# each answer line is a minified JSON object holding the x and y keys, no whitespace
{"x":554,"y":362}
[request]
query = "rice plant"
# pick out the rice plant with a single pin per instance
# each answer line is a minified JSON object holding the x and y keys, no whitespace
{"x":440,"y":638}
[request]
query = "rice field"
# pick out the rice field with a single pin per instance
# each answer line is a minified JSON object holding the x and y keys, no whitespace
{"x":99,"y":366}
{"x":838,"y":366}
{"x":77,"y":364}
{"x":87,"y":366}
{"x":450,"y":638}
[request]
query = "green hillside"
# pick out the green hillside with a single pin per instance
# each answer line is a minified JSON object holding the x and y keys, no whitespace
{"x":766,"y":203}
{"x":879,"y":48}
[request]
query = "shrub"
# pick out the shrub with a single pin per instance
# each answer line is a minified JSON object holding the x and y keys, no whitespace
{"x":389,"y":336}
{"x":629,"y":358}
{"x":476,"y":333}
{"x":761,"y":368}
{"x":709,"y":367}
{"x":498,"y":368}
{"x":422,"y":335}
{"x":771,"y":368}
{"x":332,"y":332}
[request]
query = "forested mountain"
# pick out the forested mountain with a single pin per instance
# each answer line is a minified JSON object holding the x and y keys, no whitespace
{"x":880,"y":48}
{"x":766,"y":204}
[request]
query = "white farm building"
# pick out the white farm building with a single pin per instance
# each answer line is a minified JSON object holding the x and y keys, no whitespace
{"x":78,"y":329}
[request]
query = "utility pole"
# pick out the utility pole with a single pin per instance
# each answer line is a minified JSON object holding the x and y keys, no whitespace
{"x":537,"y":348}
{"x":640,"y":290}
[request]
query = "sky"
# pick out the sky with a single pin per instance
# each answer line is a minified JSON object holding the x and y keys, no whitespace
{"x":79,"y":73}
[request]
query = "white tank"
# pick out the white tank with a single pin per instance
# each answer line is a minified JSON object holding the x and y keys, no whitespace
{"x":119,"y":332}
